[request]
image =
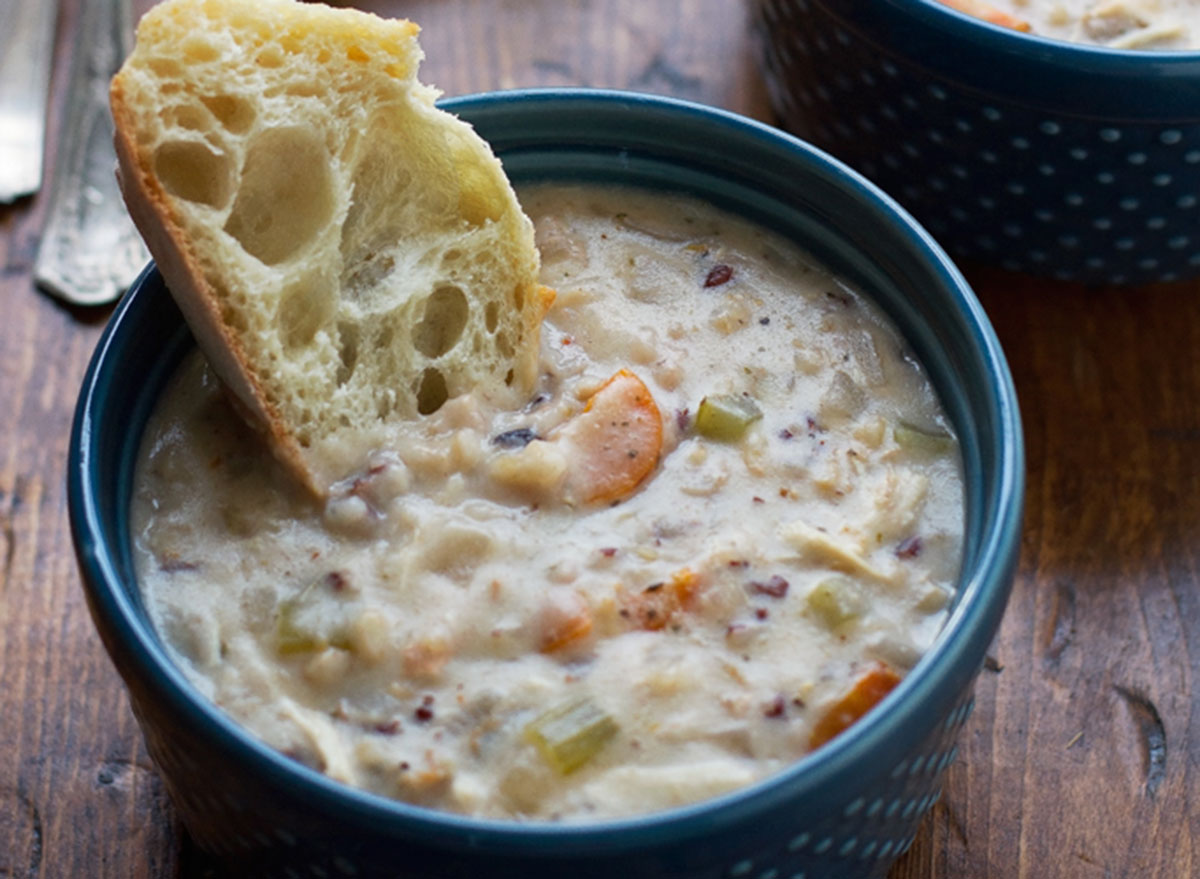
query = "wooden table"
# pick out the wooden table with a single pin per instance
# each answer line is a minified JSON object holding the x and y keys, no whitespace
{"x":1081,"y":758}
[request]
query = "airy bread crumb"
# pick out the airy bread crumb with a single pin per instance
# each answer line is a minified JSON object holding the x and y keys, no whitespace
{"x":344,"y":252}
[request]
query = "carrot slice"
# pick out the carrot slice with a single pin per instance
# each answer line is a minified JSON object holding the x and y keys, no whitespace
{"x":863,"y":696}
{"x":614,"y":443}
{"x":989,"y":13}
{"x":653,"y":607}
{"x":564,"y":622}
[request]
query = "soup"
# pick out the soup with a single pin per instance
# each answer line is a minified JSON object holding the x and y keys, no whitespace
{"x":725,"y":525}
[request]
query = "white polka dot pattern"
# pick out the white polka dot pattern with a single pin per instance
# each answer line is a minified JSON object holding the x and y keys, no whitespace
{"x":872,"y":829}
{"x":995,"y":181}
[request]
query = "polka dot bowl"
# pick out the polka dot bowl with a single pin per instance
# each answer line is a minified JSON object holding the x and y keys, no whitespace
{"x":847,"y":810}
{"x":1063,"y":160}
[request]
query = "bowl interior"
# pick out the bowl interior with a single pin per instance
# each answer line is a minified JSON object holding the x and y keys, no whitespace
{"x":649,"y":142}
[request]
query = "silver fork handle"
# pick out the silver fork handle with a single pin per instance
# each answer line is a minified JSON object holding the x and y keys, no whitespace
{"x":90,"y":251}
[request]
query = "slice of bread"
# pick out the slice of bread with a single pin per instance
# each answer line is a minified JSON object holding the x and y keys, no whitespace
{"x":344,"y":252}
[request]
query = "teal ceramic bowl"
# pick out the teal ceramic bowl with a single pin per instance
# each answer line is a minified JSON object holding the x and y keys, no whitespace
{"x":1071,"y":161}
{"x":848,"y":809}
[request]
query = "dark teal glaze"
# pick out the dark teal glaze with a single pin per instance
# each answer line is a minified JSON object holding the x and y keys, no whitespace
{"x":846,"y":811}
{"x":1071,"y":161}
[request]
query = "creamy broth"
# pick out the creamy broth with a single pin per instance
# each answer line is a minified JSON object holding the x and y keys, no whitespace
{"x":1118,"y":24}
{"x":726,"y":523}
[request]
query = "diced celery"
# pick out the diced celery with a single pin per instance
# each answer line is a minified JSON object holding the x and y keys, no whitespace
{"x":835,"y":600}
{"x":726,"y":417}
{"x":299,"y":628}
{"x":291,"y":635}
{"x":915,"y":439}
{"x":570,"y":734}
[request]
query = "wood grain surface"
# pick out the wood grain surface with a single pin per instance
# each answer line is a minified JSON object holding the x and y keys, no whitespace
{"x":1081,"y":758}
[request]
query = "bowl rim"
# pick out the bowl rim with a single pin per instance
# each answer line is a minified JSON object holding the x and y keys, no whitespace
{"x":967,"y":26}
{"x":949,"y":661}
